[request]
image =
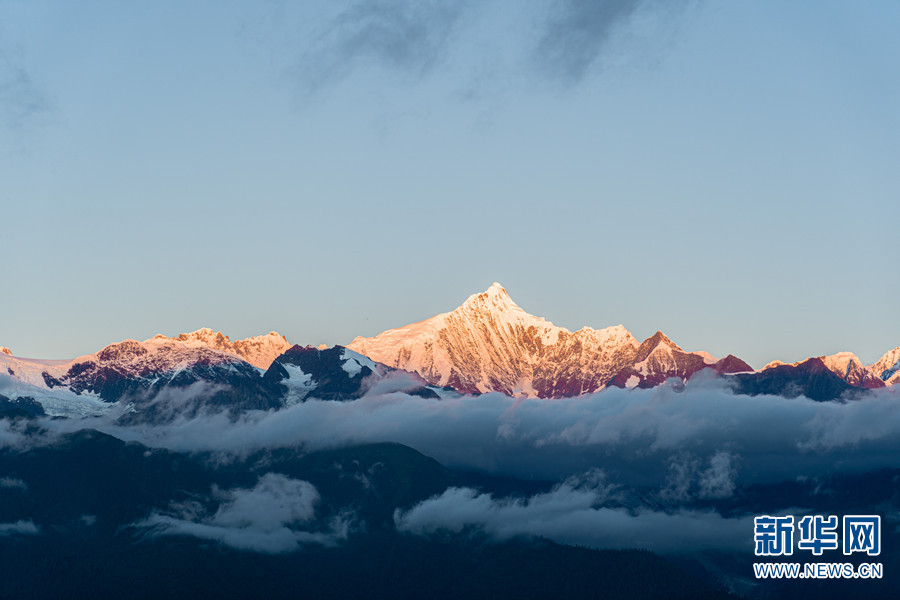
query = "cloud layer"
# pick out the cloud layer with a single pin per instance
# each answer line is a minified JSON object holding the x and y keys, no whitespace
{"x":651,"y":458}
{"x":703,"y":440}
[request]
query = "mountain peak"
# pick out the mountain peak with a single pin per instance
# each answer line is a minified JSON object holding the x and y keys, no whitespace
{"x":495,"y":295}
{"x":496,"y":289}
{"x":5,"y":350}
{"x":659,"y":338}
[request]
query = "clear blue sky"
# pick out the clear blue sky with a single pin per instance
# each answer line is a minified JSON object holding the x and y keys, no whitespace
{"x":726,"y":172}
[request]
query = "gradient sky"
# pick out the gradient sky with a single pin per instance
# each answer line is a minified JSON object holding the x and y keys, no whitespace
{"x":726,"y":172}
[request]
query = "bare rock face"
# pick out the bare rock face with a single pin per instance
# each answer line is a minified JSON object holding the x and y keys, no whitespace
{"x":490,"y":344}
{"x":5,"y":350}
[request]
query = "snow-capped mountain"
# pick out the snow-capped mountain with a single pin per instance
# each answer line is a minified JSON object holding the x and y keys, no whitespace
{"x":887,"y":368}
{"x":490,"y":344}
{"x":487,"y":344}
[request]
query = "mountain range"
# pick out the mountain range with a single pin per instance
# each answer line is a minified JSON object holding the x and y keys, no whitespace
{"x":435,"y":491}
{"x":487,"y":344}
{"x":490,"y":344}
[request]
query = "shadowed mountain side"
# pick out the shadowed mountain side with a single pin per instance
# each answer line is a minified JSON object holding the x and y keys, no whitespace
{"x":811,"y":378}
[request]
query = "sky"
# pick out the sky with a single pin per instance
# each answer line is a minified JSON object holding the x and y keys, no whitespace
{"x":724,"y":172}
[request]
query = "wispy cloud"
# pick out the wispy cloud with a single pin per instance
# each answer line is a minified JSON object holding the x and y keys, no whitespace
{"x":22,"y":100}
{"x":689,"y":479}
{"x":407,"y":36}
{"x":473,"y":45}
{"x":577,"y":32}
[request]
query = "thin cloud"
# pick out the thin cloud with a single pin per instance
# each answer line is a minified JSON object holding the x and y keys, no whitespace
{"x":688,"y":480}
{"x":18,"y":528}
{"x":478,"y":48}
{"x":12,"y":483}
{"x":407,"y":36}
{"x":578,"y":32}
{"x":580,"y":35}
{"x":266,"y":518}
{"x":22,"y":100}
{"x":14,"y":434}
{"x":718,"y":480}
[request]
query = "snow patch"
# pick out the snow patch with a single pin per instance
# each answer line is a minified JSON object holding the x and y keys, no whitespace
{"x":299,"y":384}
{"x":353,"y":362}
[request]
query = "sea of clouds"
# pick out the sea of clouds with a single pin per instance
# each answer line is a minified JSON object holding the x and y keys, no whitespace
{"x":680,"y":444}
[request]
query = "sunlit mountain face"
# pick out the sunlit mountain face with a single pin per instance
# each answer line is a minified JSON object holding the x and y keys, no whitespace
{"x":483,"y":452}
